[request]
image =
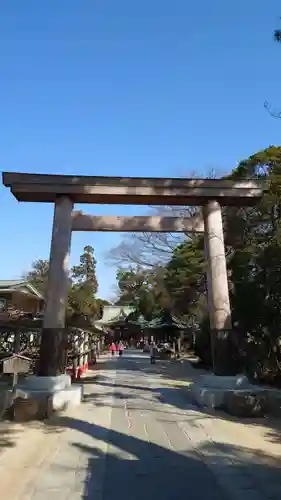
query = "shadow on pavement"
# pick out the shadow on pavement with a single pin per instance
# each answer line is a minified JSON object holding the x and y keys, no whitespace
{"x":150,"y":470}
{"x":178,"y":396}
{"x":8,"y":435}
{"x":169,"y":368}
{"x":136,"y":468}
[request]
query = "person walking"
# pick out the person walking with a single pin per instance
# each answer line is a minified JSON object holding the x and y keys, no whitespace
{"x":153,"y":353}
{"x":113,"y":348}
{"x":121,"y":348}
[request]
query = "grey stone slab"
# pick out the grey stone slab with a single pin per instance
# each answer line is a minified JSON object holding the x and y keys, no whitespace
{"x":178,"y":440}
{"x":271,"y":490}
{"x":55,"y":478}
{"x":54,"y":494}
{"x":236,"y":482}
{"x":156,"y":446}
{"x":160,"y":470}
{"x":253,"y":494}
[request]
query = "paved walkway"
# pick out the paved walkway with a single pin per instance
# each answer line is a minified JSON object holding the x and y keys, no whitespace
{"x":139,"y":436}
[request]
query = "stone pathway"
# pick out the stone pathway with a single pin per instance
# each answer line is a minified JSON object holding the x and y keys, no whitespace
{"x":138,"y":435}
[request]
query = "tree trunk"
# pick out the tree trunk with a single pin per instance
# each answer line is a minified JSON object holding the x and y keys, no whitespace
{"x":17,"y":342}
{"x":221,"y":352}
{"x":178,"y":350}
{"x":53,"y":352}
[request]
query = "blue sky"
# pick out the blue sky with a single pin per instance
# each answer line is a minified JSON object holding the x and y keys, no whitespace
{"x":128,"y":87}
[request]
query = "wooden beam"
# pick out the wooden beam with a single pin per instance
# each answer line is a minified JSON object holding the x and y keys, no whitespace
{"x":138,"y":224}
{"x":133,"y":190}
{"x":10,"y":178}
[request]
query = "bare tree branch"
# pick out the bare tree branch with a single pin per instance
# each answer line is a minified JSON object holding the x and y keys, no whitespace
{"x":274,"y":114}
{"x":150,"y":249}
{"x":153,"y":249}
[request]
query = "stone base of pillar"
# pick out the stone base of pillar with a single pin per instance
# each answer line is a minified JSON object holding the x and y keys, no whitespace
{"x":37,"y":398}
{"x":53,"y":352}
{"x":216,"y":392}
{"x":222,"y":355}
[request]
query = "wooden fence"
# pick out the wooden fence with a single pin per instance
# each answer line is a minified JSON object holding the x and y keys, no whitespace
{"x":83,"y":346}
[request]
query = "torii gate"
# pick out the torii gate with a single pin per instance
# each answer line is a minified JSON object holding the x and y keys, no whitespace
{"x":65,"y":190}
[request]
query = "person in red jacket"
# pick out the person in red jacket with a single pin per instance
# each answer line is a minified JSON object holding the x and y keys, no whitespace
{"x":113,"y":348}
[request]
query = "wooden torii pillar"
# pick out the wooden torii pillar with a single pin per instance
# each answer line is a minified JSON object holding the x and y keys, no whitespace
{"x":54,"y":336}
{"x":217,"y":289}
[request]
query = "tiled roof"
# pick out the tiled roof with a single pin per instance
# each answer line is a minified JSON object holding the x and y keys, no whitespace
{"x":111,"y":314}
{"x":19,"y":285}
{"x":11,"y":283}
